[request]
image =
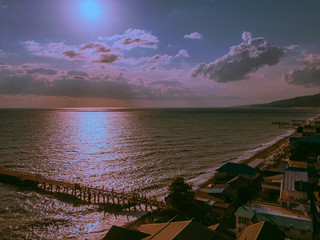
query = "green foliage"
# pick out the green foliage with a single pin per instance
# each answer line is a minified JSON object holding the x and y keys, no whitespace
{"x":180,"y":194}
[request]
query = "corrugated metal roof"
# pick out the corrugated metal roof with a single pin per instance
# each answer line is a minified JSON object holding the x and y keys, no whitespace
{"x":276,"y":216}
{"x":294,"y":177}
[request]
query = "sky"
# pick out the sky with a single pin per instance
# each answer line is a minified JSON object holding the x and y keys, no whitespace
{"x":152,"y":53}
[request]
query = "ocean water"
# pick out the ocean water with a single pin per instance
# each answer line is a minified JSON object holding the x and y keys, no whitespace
{"x":123,"y":149}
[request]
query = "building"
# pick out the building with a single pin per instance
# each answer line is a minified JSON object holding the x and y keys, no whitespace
{"x":231,"y":170}
{"x":121,"y":233}
{"x":183,"y":230}
{"x":294,"y":190}
{"x":239,"y":182}
{"x":305,"y":148}
{"x":263,"y":230}
{"x":225,"y":191}
{"x":272,"y":183}
{"x":218,"y":205}
{"x":295,"y":224}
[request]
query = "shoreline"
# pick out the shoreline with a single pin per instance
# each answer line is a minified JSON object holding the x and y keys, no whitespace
{"x":278,"y":150}
{"x":271,"y":155}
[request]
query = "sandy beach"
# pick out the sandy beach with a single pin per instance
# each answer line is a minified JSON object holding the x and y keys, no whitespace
{"x":271,"y":155}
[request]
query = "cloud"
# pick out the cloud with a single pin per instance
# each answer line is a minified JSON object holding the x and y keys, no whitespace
{"x":183,"y":53}
{"x":77,"y":73}
{"x":129,"y":41}
{"x":44,"y":71}
{"x":107,"y":58}
{"x":132,"y":38}
{"x":172,"y":83}
{"x":72,"y":54}
{"x":99,"y":48}
{"x":40,"y":80}
{"x":91,"y":52}
{"x":153,"y":62}
{"x":53,"y":50}
{"x":22,"y":80}
{"x":194,"y":35}
{"x":66,"y":87}
{"x":308,"y":75}
{"x":243,"y":59}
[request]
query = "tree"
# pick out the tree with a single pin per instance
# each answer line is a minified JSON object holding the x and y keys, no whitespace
{"x":180,"y":194}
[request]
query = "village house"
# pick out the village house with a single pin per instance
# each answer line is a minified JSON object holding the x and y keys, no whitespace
{"x":218,"y":205}
{"x":230,"y":170}
{"x":295,"y":224}
{"x":294,"y":189}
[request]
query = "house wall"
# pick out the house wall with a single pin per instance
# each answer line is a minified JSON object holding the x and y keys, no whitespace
{"x":271,"y":187}
{"x":242,"y":223}
{"x":296,"y":195}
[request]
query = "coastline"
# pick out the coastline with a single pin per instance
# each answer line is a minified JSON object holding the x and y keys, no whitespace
{"x":270,"y":155}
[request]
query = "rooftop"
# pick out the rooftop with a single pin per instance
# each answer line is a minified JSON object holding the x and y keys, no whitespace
{"x":203,"y":194}
{"x":121,"y":233}
{"x":295,"y":179}
{"x":184,"y":230}
{"x":276,"y":215}
{"x":237,"y":168}
{"x":261,"y":231}
{"x":218,"y":188}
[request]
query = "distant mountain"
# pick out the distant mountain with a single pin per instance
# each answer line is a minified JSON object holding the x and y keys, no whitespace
{"x":305,"y":101}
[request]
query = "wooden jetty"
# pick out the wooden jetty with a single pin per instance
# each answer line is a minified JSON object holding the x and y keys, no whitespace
{"x":91,"y":195}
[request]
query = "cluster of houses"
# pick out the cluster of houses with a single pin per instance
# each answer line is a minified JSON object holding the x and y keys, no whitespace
{"x":279,"y":202}
{"x":289,"y":197}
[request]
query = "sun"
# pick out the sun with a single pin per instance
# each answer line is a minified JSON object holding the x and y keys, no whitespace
{"x":90,"y":9}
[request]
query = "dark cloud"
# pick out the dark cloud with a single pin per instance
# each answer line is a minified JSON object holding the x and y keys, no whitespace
{"x":157,"y":57}
{"x":77,"y":73}
{"x":21,"y":85}
{"x":129,"y":40}
{"x":308,"y":75}
{"x":243,"y":59}
{"x":14,"y":82}
{"x":172,"y":83}
{"x":99,"y":47}
{"x":66,"y":87}
{"x":72,"y":54}
{"x":132,"y":38}
{"x":44,"y":71}
{"x":108,"y":58}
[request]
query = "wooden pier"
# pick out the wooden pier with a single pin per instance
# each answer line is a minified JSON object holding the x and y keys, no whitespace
{"x":90,"y":195}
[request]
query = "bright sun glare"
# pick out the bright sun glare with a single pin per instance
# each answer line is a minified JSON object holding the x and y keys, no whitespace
{"x":90,"y":9}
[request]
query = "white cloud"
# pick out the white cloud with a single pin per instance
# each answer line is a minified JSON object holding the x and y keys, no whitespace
{"x":194,"y":35}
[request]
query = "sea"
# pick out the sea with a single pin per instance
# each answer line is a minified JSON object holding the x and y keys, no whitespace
{"x":139,"y":150}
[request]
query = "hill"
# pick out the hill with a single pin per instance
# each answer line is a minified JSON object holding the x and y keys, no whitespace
{"x":305,"y":101}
